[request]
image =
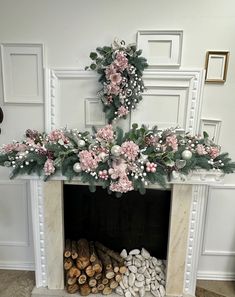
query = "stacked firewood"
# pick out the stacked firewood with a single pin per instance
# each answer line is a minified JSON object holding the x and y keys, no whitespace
{"x":91,"y":267}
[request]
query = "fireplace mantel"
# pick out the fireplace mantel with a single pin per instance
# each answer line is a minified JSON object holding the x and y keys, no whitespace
{"x":187,"y":209}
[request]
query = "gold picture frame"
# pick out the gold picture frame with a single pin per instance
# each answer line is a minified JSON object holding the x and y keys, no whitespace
{"x":216,"y":66}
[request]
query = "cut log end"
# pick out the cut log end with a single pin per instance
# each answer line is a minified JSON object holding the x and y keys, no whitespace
{"x":73,"y":288}
{"x":82,"y":279}
{"x":107,"y":290}
{"x":85,"y":290}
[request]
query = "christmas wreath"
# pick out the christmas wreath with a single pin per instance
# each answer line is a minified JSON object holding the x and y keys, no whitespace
{"x":120,"y":68}
{"x":117,"y":161}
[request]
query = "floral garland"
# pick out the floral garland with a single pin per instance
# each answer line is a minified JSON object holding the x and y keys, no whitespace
{"x":117,"y":161}
{"x":120,"y":68}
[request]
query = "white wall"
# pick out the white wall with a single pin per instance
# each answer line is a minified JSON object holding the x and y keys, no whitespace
{"x":71,"y":29}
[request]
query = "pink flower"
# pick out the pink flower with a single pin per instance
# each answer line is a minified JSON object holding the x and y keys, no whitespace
{"x":130,"y":150}
{"x":116,"y":78}
{"x":119,"y":169}
{"x":7,"y":148}
{"x":151,"y":167}
{"x":57,"y":135}
{"x":21,"y":147}
{"x":172,"y":142}
{"x":88,"y":160}
{"x":103,"y":174}
{"x":122,"y":111}
{"x":18,"y":147}
{"x":123,"y":185}
{"x":31,"y":143}
{"x":200,"y":149}
{"x":105,"y":133}
{"x":121,"y":61}
{"x":112,"y":89}
{"x":214,"y":152}
{"x":151,"y":140}
{"x":110,"y":70}
{"x":49,"y":167}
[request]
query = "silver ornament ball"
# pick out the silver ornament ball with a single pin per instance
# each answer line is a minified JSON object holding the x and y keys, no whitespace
{"x":180,"y":163}
{"x":116,"y":150}
{"x":77,"y":167}
{"x":187,"y":155}
{"x":81,"y":143}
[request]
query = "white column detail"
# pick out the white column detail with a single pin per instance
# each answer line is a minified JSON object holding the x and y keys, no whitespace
{"x":199,"y":197}
{"x":37,"y":203}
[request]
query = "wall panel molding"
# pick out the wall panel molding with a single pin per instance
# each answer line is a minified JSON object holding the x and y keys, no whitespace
{"x":22,"y":73}
{"x":183,"y":85}
{"x":206,"y":249}
{"x":16,"y":190}
{"x":212,"y":126}
{"x":216,"y":275}
{"x":17,"y":266}
{"x":54,"y":79}
{"x":161,"y":48}
{"x":94,"y":115}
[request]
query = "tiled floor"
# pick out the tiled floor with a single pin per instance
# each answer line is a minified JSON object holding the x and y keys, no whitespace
{"x":215,"y":289}
{"x":16,"y":283}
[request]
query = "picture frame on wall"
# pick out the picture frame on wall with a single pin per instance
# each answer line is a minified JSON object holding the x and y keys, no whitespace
{"x":163,"y":49}
{"x":216,"y":66}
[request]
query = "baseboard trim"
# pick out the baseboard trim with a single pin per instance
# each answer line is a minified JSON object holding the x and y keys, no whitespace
{"x":17,"y":266}
{"x":216,"y":275}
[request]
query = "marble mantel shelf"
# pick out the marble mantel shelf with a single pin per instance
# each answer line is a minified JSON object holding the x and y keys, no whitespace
{"x":195,"y":177}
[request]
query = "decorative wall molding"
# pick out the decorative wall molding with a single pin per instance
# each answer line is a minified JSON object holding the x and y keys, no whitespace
{"x":212,"y":126}
{"x":182,"y":85}
{"x":52,"y":99}
{"x":216,"y":275}
{"x":185,"y":85}
{"x":205,"y":250}
{"x":17,"y":266}
{"x":21,"y":188}
{"x":14,"y":243}
{"x":94,"y":116}
{"x":37,"y":204}
{"x":161,"y":48}
{"x":22,"y":73}
{"x":195,"y":234}
{"x":200,"y":176}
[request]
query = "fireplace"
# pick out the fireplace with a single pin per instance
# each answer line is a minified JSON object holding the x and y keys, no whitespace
{"x":187,"y":204}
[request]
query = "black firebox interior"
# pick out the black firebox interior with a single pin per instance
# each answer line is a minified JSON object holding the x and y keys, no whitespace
{"x":132,"y":221}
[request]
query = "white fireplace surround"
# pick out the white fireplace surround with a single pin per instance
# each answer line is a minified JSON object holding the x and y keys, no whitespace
{"x":189,"y":196}
{"x":187,"y":210}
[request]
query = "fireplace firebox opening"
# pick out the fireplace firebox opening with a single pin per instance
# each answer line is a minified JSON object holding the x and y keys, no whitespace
{"x":130,"y":222}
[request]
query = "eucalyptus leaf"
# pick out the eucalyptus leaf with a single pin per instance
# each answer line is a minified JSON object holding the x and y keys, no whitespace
{"x":93,"y":66}
{"x":93,"y":55}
